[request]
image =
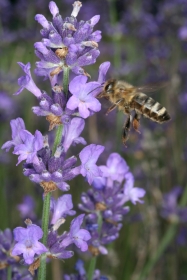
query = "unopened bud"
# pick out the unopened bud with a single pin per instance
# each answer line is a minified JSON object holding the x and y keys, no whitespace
{"x":91,"y":44}
{"x":76,"y":8}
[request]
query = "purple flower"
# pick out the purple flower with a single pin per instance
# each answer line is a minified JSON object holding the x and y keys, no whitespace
{"x":54,"y":244}
{"x":31,"y":145}
{"x":77,"y":235}
{"x":27,"y":242}
{"x":83,"y":96}
{"x":17,"y":125}
{"x":27,"y":81}
{"x":61,"y":208}
{"x":88,"y":156}
{"x":71,"y":133}
{"x":115,"y":169}
{"x":130,"y":193}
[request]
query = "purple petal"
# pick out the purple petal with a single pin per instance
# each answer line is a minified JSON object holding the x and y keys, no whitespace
{"x":77,"y":83}
{"x":102,"y":71}
{"x":75,"y":224}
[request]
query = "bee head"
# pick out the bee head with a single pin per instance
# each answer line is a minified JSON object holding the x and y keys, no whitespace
{"x":108,"y":88}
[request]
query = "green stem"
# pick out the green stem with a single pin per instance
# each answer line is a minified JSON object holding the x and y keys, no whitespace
{"x":9,"y":273}
{"x":66,"y":80}
{"x":166,"y":240}
{"x":58,"y":137}
{"x":92,"y":268}
{"x":45,"y":223}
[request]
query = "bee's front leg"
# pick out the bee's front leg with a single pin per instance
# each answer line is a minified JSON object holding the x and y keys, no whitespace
{"x":126,"y":130}
{"x":111,"y":108}
{"x":136,"y":121}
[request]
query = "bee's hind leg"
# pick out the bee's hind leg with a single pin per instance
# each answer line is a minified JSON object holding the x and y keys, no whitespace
{"x":136,"y":121}
{"x":126,"y":129}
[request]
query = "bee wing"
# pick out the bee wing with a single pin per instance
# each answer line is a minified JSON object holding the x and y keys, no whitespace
{"x":151,"y":87}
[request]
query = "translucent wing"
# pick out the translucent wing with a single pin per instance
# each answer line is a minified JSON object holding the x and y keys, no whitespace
{"x":151,"y":87}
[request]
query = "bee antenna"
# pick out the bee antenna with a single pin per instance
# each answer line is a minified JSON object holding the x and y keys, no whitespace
{"x":96,"y":88}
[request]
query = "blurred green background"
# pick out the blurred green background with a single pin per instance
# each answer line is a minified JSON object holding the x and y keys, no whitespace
{"x":146,"y":42}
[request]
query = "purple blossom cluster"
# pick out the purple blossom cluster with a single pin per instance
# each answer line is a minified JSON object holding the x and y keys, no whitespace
{"x":105,"y":202}
{"x":66,"y":42}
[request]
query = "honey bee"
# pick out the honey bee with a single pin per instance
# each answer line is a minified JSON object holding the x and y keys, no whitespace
{"x":129,"y":98}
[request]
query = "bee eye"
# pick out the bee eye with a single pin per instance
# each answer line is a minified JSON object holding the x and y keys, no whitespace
{"x":108,"y":88}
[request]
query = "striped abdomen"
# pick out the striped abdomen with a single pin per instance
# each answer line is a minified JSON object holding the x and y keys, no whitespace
{"x":150,"y":108}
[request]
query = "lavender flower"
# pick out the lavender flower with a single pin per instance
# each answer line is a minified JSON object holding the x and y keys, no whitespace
{"x":27,"y":242}
{"x":61,"y":207}
{"x":16,"y":126}
{"x":83,"y":96}
{"x":115,"y":169}
{"x":27,"y":81}
{"x":77,"y":235}
{"x":88,"y":156}
{"x":66,"y":43}
{"x":58,"y":244}
{"x":31,"y":145}
{"x":71,"y":133}
{"x":25,"y":144}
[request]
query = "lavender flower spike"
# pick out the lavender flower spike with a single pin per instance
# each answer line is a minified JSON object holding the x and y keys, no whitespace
{"x":27,"y":81}
{"x":16,"y":126}
{"x":27,"y":242}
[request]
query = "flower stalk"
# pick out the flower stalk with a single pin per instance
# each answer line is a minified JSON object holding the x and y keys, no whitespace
{"x":66,"y":80}
{"x":46,"y":206}
{"x":45,"y":223}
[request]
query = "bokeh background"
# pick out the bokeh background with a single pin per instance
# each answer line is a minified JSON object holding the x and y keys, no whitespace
{"x":146,"y":42}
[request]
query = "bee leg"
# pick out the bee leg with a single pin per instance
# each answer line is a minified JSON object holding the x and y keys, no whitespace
{"x":110,"y":109}
{"x":126,"y":130}
{"x":101,"y":95}
{"x":113,"y":106}
{"x":136,"y":121}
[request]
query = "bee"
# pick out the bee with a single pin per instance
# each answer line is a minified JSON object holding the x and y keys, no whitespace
{"x":129,"y":98}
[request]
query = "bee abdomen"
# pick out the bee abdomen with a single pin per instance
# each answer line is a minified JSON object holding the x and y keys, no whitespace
{"x":150,"y":108}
